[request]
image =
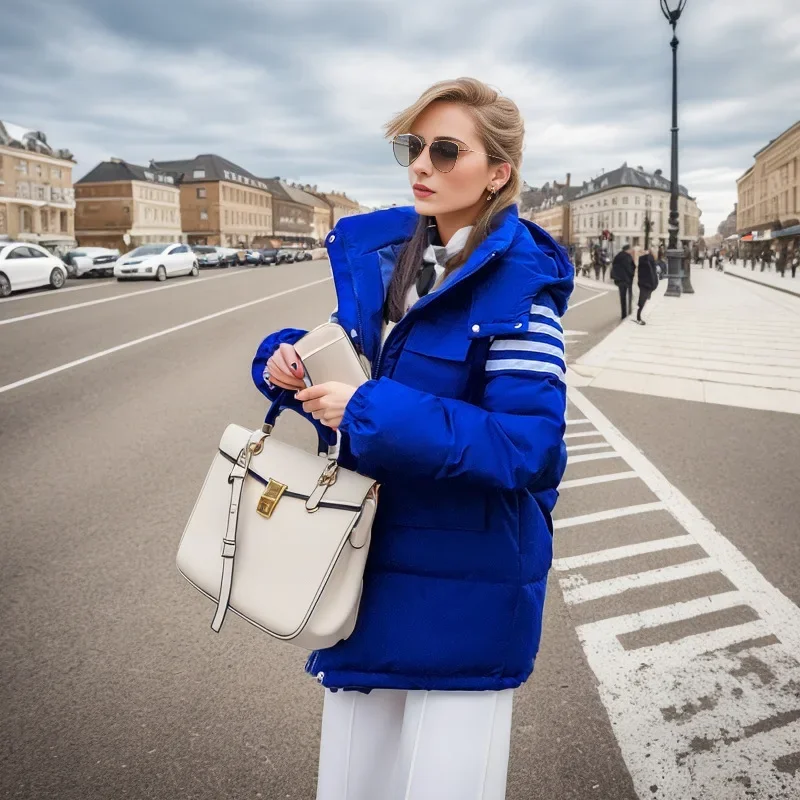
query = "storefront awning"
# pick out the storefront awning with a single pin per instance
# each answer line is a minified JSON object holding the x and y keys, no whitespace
{"x":748,"y":237}
{"x":793,"y":231}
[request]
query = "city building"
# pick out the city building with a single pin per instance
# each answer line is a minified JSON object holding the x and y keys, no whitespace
{"x":221,"y":202}
{"x":341,"y":205}
{"x":321,"y":209}
{"x":37,"y":200}
{"x":121,"y":205}
{"x":549,"y":208}
{"x":623,"y":201}
{"x":727,"y":227}
{"x":293,"y":218}
{"x":769,"y":192}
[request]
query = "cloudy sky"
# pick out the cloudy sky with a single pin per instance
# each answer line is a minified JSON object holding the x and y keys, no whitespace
{"x":301,"y":88}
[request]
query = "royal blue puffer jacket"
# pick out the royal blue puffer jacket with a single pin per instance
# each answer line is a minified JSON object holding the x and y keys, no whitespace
{"x":462,"y":425}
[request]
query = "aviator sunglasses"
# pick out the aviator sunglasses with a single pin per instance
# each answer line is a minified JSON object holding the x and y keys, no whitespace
{"x":408,"y":147}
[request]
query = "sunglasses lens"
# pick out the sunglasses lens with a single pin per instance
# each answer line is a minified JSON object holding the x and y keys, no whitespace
{"x":444,"y":155}
{"x":407,"y":148}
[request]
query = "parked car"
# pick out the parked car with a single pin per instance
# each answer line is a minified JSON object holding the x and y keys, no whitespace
{"x":25,"y":266}
{"x":157,"y":262}
{"x":206,"y":255}
{"x":227,"y":256}
{"x":302,"y":255}
{"x":269,"y":255}
{"x":91,"y":261}
{"x":285,"y":256}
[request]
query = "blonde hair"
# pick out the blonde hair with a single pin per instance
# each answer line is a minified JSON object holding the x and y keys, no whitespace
{"x":499,"y":126}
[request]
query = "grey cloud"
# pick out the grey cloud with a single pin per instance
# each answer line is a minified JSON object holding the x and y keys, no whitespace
{"x":253,"y":81}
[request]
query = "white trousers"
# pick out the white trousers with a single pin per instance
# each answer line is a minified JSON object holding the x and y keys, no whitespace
{"x":416,"y":745}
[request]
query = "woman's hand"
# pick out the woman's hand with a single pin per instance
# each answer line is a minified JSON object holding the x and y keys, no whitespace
{"x":327,"y":401}
{"x":285,"y":368}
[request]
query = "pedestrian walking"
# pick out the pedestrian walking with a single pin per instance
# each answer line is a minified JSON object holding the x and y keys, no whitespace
{"x":622,"y":273}
{"x":456,"y":303}
{"x":647,"y":280}
{"x":597,"y":261}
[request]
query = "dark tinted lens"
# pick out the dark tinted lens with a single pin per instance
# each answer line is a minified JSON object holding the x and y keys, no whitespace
{"x":444,"y":155}
{"x":407,"y":148}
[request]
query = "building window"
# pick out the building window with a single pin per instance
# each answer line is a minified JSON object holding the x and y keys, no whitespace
{"x":605,"y":201}
{"x":203,"y":213}
{"x":201,"y":193}
{"x":635,"y":219}
{"x":199,"y":173}
{"x":638,"y":200}
{"x":25,"y":220}
{"x":226,"y":216}
{"x":624,"y":201}
{"x":55,"y":172}
{"x":22,"y":166}
{"x":39,"y":170}
{"x":613,"y":201}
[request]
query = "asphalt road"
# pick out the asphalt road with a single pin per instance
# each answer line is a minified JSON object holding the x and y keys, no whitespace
{"x":112,"y":400}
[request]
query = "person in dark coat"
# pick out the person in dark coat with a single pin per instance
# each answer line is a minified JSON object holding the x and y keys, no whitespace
{"x":622,"y":273}
{"x":647,"y":279}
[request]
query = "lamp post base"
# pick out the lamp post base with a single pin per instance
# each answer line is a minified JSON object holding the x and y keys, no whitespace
{"x":686,"y":280}
{"x":674,"y":273}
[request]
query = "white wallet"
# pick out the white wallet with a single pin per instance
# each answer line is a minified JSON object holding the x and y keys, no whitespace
{"x":328,"y":355}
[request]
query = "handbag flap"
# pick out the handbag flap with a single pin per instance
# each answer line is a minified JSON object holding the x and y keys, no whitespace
{"x":298,"y":470}
{"x":328,"y":355}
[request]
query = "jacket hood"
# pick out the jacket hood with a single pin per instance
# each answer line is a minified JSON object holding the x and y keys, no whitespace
{"x":561,"y":281}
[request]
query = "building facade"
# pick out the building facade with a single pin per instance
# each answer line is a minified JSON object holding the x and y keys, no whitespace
{"x":293,"y":220}
{"x":121,"y":206}
{"x":320,"y":210}
{"x":221,"y":203}
{"x":769,"y":192}
{"x":549,"y":208}
{"x":341,"y":206}
{"x":37,"y":200}
{"x":623,"y":202}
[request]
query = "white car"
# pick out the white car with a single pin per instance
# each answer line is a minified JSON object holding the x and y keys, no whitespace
{"x":91,"y":261}
{"x":25,"y":266}
{"x":157,"y":262}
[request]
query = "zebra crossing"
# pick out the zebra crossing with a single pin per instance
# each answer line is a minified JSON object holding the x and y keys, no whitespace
{"x":696,"y":655}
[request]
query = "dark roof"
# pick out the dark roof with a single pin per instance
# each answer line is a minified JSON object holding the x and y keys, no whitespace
{"x":627,"y":176}
{"x":278,"y":190}
{"x":216,"y":168}
{"x":119,"y":170}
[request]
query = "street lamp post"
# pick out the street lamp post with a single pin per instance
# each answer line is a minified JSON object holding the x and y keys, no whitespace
{"x":676,"y":281}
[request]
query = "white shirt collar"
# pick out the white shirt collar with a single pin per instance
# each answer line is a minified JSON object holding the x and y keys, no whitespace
{"x":441,"y":254}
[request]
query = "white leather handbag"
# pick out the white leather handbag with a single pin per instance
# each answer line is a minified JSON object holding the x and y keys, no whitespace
{"x":280,"y":536}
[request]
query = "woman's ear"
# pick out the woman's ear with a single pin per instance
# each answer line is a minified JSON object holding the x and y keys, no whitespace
{"x":501,"y":175}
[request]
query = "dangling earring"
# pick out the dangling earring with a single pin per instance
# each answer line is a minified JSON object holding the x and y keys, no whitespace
{"x":492,"y":194}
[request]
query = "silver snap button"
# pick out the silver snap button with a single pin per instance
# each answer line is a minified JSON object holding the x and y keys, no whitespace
{"x":353,"y":334}
{"x":518,"y":325}
{"x":476,"y":328}
{"x":320,"y":677}
{"x":332,"y":237}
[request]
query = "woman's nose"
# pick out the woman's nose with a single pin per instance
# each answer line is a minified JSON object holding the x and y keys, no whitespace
{"x":422,"y":166}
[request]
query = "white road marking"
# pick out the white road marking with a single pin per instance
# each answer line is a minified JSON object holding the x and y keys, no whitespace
{"x":613,"y":476}
{"x":577,"y":448}
{"x":181,"y":284}
{"x":626,"y":551}
{"x":576,"y":333}
{"x":47,"y":373}
{"x":602,"y":516}
{"x":582,"y":435}
{"x":58,"y":293}
{"x":578,"y":590}
{"x":576,"y":421}
{"x":587,"y":300}
{"x":592,"y":457}
{"x":698,"y":713}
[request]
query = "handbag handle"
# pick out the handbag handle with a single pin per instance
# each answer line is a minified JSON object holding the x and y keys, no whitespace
{"x":327,"y":438}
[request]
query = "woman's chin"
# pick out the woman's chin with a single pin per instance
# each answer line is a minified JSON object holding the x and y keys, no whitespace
{"x":426,"y":205}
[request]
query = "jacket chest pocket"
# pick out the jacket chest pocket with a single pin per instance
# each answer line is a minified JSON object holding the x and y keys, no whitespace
{"x":435,"y":358}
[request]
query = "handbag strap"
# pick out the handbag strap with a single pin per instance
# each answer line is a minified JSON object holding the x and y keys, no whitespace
{"x":326,"y":442}
{"x":236,"y":479}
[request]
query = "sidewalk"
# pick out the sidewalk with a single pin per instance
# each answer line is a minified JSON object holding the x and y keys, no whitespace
{"x":767,"y":278}
{"x":731,"y":343}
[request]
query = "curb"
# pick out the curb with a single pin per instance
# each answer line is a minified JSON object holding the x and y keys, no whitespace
{"x":761,"y":283}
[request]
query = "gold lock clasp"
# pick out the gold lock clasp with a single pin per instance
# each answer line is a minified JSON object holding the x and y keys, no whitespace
{"x":270,"y":497}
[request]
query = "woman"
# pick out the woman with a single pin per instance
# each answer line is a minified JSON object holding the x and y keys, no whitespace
{"x":456,"y":304}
